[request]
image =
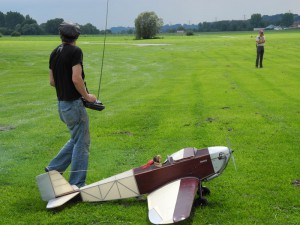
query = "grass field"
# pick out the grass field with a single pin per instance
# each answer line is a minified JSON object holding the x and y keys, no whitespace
{"x":192,"y":92}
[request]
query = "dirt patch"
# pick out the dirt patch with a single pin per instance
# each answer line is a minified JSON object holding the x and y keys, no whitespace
{"x":210,"y":119}
{"x":123,"y":132}
{"x":145,"y":45}
{"x":225,"y":107}
{"x":6,"y":127}
{"x":296,"y":183}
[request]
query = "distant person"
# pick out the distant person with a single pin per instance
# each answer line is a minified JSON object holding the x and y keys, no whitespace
{"x":67,"y":76}
{"x":260,"y":49}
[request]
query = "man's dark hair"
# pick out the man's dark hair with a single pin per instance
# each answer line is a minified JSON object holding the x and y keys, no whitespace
{"x":69,"y":32}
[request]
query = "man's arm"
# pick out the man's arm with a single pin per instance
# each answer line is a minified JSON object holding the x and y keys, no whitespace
{"x":52,"y":82}
{"x":79,"y":83}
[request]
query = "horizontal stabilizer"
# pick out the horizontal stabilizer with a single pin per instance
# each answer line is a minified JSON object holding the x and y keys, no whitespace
{"x":53,"y":185}
{"x":56,"y":202}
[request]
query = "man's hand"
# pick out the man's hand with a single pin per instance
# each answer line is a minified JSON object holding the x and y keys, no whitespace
{"x":91,"y":98}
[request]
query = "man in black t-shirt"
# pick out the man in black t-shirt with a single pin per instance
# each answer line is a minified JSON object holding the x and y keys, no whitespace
{"x":67,"y":76}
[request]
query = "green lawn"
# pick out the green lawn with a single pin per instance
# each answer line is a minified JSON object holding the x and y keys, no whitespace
{"x":192,"y":92}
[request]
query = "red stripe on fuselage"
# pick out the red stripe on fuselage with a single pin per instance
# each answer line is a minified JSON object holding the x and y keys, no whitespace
{"x":152,"y":178}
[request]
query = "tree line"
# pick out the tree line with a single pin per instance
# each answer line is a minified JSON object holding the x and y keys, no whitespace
{"x":15,"y":24}
{"x":256,"y":21}
{"x":147,"y":25}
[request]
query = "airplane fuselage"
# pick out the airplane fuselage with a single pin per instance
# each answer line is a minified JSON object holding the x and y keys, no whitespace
{"x":198,"y":165}
{"x":188,"y":164}
{"x":204,"y":164}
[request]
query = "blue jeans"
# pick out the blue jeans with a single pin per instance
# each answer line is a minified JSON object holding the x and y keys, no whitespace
{"x":76,"y":150}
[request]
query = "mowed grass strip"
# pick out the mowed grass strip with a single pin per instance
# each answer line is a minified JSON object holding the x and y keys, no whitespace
{"x":191,"y":92}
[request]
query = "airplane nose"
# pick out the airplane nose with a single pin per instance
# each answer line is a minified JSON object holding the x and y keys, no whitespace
{"x":220,"y":156}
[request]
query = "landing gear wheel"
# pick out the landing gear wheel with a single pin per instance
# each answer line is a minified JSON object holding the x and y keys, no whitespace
{"x":200,"y":202}
{"x":205,"y":191}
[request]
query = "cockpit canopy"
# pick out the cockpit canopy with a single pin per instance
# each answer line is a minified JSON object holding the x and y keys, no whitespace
{"x":183,"y":154}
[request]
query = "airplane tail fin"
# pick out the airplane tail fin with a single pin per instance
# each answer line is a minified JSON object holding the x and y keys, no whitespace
{"x":55,"y":189}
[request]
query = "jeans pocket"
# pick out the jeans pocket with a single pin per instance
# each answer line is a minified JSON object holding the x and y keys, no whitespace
{"x":69,"y":114}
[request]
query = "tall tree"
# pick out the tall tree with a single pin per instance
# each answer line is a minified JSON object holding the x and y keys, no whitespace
{"x":51,"y":26}
{"x":287,"y":19}
{"x":256,"y":20}
{"x":31,"y":29}
{"x":89,"y":29}
{"x":147,"y":25}
{"x":2,"y":19}
{"x":29,"y":20}
{"x":13,"y":19}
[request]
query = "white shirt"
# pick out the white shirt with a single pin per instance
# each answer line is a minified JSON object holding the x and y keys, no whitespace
{"x":260,"y":39}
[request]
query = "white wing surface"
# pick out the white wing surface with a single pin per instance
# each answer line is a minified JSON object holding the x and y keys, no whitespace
{"x":172,"y":202}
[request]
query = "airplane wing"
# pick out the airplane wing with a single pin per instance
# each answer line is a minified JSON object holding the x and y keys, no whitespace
{"x":172,"y":202}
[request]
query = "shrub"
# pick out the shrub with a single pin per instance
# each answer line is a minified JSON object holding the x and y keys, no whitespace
{"x":189,"y":33}
{"x":15,"y":34}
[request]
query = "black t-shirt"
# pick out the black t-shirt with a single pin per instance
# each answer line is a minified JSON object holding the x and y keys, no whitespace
{"x":62,"y":59}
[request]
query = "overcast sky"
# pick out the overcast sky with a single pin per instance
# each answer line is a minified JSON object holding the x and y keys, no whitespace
{"x":123,"y":12}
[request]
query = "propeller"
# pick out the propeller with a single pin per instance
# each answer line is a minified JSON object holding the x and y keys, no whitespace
{"x":231,"y":153}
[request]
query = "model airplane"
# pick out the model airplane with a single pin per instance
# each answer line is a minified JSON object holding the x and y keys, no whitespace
{"x":171,"y":185}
